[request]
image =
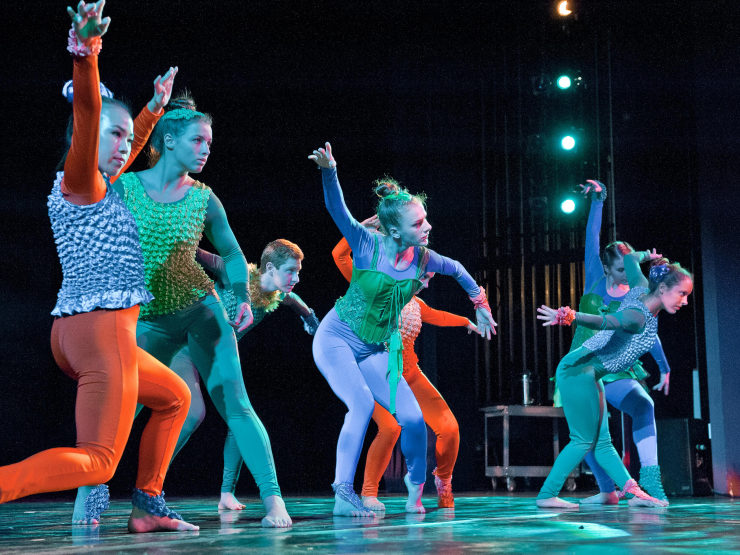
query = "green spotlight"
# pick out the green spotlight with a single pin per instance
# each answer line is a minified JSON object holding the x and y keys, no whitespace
{"x":568,"y":142}
{"x":563,"y":82}
{"x":568,"y":205}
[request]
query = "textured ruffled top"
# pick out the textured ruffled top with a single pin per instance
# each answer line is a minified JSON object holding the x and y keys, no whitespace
{"x":98,"y":247}
{"x":617,"y":349}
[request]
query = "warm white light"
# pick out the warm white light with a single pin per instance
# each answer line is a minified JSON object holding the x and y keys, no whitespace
{"x":563,"y":8}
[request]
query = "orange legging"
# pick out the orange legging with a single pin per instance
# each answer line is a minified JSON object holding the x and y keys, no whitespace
{"x":436,"y":414}
{"x":98,"y":349}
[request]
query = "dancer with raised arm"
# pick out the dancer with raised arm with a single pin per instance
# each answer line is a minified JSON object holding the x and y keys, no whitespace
{"x":434,"y":409}
{"x":93,"y":336}
{"x":622,"y":338}
{"x":172,"y":211}
{"x":350,"y":345}
{"x":605,"y":286}
{"x":270,"y":285}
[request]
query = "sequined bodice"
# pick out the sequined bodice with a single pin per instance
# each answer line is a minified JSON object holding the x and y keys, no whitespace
{"x":98,"y":247}
{"x":169,"y":234}
{"x":618,"y":350}
{"x":261,"y":305}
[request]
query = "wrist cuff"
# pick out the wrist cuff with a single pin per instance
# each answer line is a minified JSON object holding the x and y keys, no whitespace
{"x":77,"y":47}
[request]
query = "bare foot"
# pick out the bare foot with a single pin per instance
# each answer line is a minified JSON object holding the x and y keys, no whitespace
{"x":277,"y":515}
{"x":602,"y":498}
{"x":90,"y":502}
{"x":556,"y":503}
{"x":413,"y":504}
{"x":140,"y":522}
{"x":228,"y":501}
{"x":641,"y":499}
{"x":346,"y":502}
{"x":371,"y":502}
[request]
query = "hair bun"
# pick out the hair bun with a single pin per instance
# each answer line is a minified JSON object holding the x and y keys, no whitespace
{"x":67,"y":91}
{"x":386,"y":187}
{"x":658,"y":272}
{"x":184,"y":101}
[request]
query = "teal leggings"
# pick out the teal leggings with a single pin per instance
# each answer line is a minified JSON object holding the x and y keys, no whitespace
{"x":199,"y":340}
{"x":582,"y":393}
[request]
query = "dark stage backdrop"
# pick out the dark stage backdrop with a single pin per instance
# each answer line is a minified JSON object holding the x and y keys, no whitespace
{"x":398,"y":89}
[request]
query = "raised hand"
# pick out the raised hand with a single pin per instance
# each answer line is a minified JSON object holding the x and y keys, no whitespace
{"x":323,"y":157}
{"x":372,"y":223}
{"x":665,"y":379}
{"x":650,"y":255}
{"x":162,"y":90}
{"x":88,"y":20}
{"x":547,"y":315}
{"x":592,"y":186}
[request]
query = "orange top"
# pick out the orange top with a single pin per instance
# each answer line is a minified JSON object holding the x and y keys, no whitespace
{"x":83,"y":183}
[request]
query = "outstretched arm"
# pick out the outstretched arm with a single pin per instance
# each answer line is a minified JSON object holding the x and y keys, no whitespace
{"x":448,"y":267}
{"x":594,"y":268}
{"x":149,"y":116}
{"x":665,"y":370}
{"x":632,"y":262}
{"x":359,"y":238}
{"x":220,"y":235}
{"x":440,"y":318}
{"x":310,"y":321}
{"x":630,"y":320}
{"x":83,"y":183}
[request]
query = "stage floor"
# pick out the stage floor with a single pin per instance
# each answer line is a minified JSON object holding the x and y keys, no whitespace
{"x":479,"y":524}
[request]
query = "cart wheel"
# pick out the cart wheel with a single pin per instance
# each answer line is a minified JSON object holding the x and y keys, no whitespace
{"x":510,"y":484}
{"x":493,"y":484}
{"x":570,"y":484}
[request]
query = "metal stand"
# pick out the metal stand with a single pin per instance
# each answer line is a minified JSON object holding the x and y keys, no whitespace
{"x":510,"y":472}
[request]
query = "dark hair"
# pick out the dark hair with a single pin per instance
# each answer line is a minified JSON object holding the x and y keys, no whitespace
{"x":278,"y":252}
{"x":668,"y":273}
{"x":393,"y":198}
{"x":614,"y":251}
{"x":173,"y":126}
{"x":107,"y":101}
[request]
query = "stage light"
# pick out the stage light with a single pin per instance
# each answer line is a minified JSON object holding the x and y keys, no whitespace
{"x":563,"y":82}
{"x":563,"y":9}
{"x":568,"y":205}
{"x":568,"y":142}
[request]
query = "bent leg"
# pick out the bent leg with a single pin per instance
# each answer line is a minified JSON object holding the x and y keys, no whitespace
{"x":631,"y":398}
{"x":99,"y":350}
{"x":182,"y":365}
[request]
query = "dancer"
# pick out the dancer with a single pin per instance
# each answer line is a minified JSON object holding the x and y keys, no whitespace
{"x":172,"y":210}
{"x":434,"y":409}
{"x":349,"y":345}
{"x":605,"y":286}
{"x":623,"y":337}
{"x":270,"y":285}
{"x":93,"y":337}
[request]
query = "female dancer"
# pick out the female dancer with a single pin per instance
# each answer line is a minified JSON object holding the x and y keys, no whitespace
{"x":172,"y":210}
{"x":93,"y":337}
{"x":349,"y":345}
{"x":270,"y":285}
{"x":624,"y":336}
{"x":606,"y":284}
{"x":434,"y":409}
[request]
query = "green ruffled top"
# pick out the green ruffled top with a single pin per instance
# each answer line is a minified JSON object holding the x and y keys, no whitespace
{"x":169,"y":233}
{"x":372,"y":308}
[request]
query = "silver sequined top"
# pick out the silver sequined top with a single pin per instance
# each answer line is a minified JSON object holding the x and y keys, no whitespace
{"x":98,"y":247}
{"x":618,"y":350}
